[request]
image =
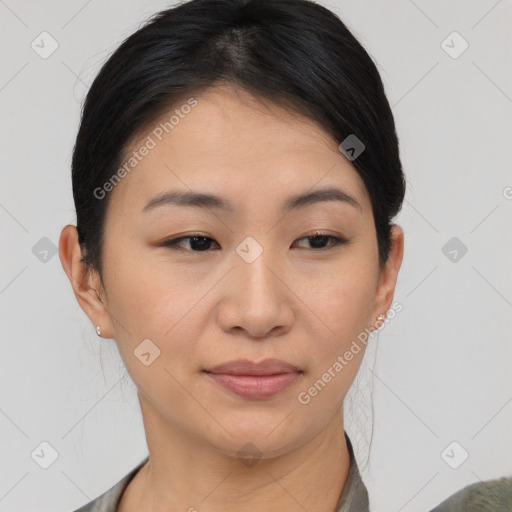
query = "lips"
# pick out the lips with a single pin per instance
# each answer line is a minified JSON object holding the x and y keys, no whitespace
{"x":251,"y":380}
{"x":246,"y":367}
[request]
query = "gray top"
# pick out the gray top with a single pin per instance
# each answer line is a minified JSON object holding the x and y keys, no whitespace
{"x":489,"y":496}
{"x":354,"y":497}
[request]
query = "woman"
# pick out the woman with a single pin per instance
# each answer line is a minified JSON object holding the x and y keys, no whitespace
{"x":235,"y":176}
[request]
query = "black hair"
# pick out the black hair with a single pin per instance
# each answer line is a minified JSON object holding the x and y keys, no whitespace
{"x":295,"y":53}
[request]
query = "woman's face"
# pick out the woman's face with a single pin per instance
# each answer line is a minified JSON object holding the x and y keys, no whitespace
{"x":255,"y":287}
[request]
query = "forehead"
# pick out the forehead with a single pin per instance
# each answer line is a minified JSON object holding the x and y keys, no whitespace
{"x":237,"y":146}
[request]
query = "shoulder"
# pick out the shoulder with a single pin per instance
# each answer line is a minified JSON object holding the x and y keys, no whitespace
{"x":109,"y":500}
{"x":489,"y":496}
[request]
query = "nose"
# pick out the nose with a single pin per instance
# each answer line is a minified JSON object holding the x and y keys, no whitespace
{"x":256,"y":301}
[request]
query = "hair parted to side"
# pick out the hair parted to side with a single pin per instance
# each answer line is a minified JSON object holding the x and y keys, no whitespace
{"x":295,"y":53}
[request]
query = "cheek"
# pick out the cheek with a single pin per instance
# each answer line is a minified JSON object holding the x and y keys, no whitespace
{"x":352,"y":301}
{"x":344,"y":309}
{"x":342,"y":301}
{"x":341,"y":297}
{"x":147,"y":306}
{"x":148,"y":301}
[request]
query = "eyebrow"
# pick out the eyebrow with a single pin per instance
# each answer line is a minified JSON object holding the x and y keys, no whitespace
{"x":203,"y":200}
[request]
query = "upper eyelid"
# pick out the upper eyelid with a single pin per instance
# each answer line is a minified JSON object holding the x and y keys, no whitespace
{"x":198,"y":235}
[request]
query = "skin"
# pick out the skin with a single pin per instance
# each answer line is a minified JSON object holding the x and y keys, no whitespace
{"x":294,"y":302}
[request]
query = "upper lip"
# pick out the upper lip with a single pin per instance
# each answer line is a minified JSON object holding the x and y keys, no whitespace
{"x":247,"y":367}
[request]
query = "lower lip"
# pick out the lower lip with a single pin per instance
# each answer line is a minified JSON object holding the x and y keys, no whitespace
{"x":255,"y":386}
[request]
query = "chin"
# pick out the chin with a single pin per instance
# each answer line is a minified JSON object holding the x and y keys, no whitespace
{"x":267,"y":435}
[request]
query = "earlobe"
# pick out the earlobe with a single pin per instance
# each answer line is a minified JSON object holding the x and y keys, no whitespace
{"x":84,"y":281}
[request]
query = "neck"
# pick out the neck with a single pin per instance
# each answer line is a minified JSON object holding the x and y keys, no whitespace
{"x":185,"y":473}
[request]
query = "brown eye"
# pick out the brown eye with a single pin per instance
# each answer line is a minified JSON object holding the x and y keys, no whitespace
{"x":198,"y":243}
{"x":322,"y":241}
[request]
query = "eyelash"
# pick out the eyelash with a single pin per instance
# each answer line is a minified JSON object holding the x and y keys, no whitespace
{"x":173,"y":243}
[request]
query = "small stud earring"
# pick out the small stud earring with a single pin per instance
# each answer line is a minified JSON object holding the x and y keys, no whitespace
{"x":98,"y":330}
{"x":380,"y":318}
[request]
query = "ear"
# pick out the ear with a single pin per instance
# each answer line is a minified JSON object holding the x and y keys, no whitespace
{"x":389,"y":273}
{"x":85,"y":282}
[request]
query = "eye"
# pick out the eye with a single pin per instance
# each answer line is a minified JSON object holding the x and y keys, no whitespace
{"x":200,"y":243}
{"x":319,"y":240}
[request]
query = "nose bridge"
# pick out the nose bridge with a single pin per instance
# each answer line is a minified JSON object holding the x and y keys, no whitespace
{"x":254,"y":269}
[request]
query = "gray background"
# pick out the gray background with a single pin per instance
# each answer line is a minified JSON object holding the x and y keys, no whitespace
{"x":442,"y":367}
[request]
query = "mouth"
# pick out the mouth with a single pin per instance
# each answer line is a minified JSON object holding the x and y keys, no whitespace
{"x":255,"y":380}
